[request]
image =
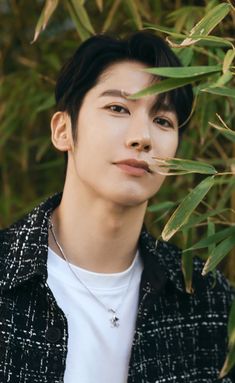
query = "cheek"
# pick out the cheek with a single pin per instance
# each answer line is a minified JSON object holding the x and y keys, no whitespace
{"x":166,"y":143}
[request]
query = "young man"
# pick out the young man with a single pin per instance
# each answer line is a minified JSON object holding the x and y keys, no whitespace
{"x":86,"y":294}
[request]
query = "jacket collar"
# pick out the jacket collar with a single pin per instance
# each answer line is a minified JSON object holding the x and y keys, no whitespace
{"x":24,"y":247}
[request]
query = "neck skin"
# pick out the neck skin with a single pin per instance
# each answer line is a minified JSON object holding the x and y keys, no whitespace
{"x":94,"y":234}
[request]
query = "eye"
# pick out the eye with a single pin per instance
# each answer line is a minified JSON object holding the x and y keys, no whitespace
{"x":164,"y":122}
{"x":117,"y":109}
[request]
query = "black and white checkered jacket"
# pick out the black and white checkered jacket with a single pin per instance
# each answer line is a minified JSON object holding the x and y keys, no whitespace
{"x":179,"y":337}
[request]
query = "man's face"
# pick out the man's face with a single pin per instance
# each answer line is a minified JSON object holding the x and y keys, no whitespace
{"x":114,"y":133}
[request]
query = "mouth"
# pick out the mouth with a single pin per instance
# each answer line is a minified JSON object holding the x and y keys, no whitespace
{"x":134,"y":167}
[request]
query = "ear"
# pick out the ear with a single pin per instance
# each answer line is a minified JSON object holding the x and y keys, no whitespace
{"x":61,"y":132}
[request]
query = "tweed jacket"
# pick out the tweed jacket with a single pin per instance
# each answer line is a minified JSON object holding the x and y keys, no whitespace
{"x":179,"y":337}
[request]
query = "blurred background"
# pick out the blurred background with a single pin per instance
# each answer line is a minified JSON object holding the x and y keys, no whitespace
{"x":31,"y":169}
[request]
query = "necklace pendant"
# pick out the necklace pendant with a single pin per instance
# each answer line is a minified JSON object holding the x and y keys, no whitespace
{"x":114,"y":320}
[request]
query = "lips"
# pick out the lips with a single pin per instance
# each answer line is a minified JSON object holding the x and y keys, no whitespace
{"x":134,"y":166}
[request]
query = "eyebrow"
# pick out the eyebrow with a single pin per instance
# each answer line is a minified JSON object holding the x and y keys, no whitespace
{"x":157,"y":105}
{"x":115,"y":93}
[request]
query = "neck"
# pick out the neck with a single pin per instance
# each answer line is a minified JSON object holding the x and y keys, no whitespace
{"x":96,"y":235}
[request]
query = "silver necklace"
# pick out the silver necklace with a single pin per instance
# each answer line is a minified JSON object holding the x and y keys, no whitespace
{"x":114,"y":320}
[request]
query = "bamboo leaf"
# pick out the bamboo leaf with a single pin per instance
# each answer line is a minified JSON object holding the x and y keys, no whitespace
{"x":144,"y":9}
{"x":218,"y":127}
{"x":184,"y":72}
{"x":179,"y":164}
{"x":111,"y":15}
{"x":100,"y":5}
{"x":218,"y":254}
{"x":160,"y":28}
{"x":222,"y":80}
{"x":161,"y":206}
{"x":213,"y":239}
{"x":228,"y":59}
{"x":231,"y":325}
{"x":185,"y":209}
{"x":48,"y":103}
{"x":195,"y":220}
{"x":202,"y":37}
{"x":48,"y":9}
{"x":231,"y":2}
{"x":135,"y":13}
{"x":184,"y":12}
{"x":82,"y":15}
{"x":187,"y":269}
{"x":202,"y":40}
{"x":220,"y":91}
{"x":187,"y":265}
{"x":228,"y":133}
{"x":210,"y":231}
{"x":207,"y":24}
{"x":228,"y":364}
{"x":185,"y":55}
{"x":166,"y":85}
{"x":82,"y":32}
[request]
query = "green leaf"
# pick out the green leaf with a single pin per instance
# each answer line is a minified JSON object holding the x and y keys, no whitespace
{"x":210,"y":41}
{"x":185,"y":11}
{"x":231,"y":326}
{"x":82,"y":15}
{"x":187,"y":269}
{"x":161,"y":206}
{"x":228,"y":59}
{"x":207,"y":23}
{"x":135,"y":13}
{"x":184,"y":72}
{"x":166,"y":85}
{"x":185,"y":209}
{"x":159,"y":28}
{"x":48,"y":103}
{"x":218,"y":254}
{"x":213,"y":239}
{"x":82,"y":32}
{"x":220,"y":91}
{"x":181,"y":165}
{"x":210,"y":231}
{"x":222,"y":80}
{"x":100,"y":5}
{"x":111,"y":15}
{"x":48,"y":9}
{"x":213,"y":39}
{"x":195,"y":220}
{"x":185,"y":55}
{"x":187,"y":265}
{"x":229,"y":363}
{"x":228,"y":133}
{"x":201,"y":37}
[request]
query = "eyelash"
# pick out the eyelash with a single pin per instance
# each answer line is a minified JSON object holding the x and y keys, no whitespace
{"x":109,"y":107}
{"x":162,"y":119}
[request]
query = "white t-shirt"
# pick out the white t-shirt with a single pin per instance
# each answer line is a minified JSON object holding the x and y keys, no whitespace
{"x":97,"y":352}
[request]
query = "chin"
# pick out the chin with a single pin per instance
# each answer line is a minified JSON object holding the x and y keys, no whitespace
{"x":131,"y":199}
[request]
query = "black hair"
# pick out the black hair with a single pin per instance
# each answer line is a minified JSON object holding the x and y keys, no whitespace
{"x":83,"y":70}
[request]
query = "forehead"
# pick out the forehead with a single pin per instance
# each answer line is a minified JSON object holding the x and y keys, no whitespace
{"x":126,"y":75}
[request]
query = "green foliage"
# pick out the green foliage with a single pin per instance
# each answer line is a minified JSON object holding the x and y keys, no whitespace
{"x":31,"y":170}
{"x":181,"y":166}
{"x":229,"y":361}
{"x":186,"y":207}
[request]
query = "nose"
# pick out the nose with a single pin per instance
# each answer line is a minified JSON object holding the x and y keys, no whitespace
{"x":139,"y":139}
